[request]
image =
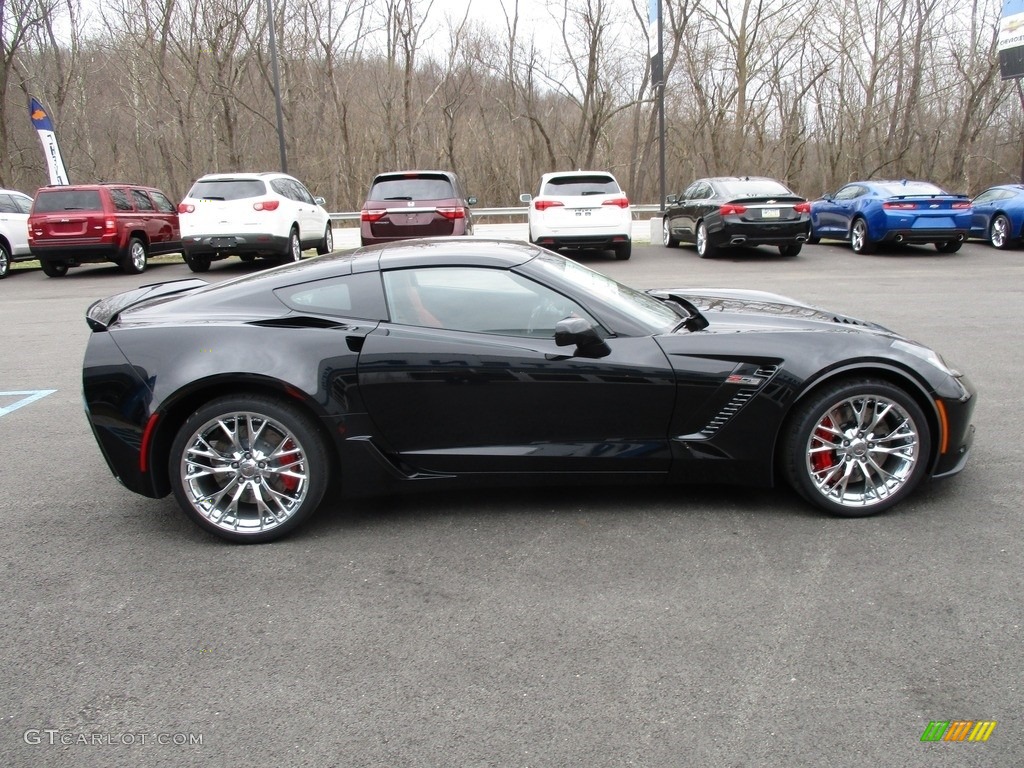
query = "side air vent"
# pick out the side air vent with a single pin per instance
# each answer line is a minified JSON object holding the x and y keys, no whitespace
{"x":741,"y":397}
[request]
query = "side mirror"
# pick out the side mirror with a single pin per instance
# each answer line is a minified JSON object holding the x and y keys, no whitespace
{"x":525,"y":197}
{"x":471,"y":200}
{"x":576,"y":330}
{"x":320,"y":201}
{"x":671,"y":199}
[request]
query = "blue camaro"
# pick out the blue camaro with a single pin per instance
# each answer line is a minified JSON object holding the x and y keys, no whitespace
{"x":871,"y":212}
{"x":997,"y":215}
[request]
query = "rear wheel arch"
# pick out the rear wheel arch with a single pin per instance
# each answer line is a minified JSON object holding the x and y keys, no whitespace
{"x":174,"y":416}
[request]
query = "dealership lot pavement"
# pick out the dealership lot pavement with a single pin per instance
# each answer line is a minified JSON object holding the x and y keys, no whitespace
{"x":653,"y":627}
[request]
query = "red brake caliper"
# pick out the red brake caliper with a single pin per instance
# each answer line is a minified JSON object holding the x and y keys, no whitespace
{"x":288,"y":482}
{"x":823,"y":460}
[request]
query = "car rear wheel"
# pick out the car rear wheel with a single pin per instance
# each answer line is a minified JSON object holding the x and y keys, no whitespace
{"x":134,"y":262}
{"x":248,"y":468}
{"x":950,"y":246}
{"x":666,"y":234}
{"x":704,"y":248}
{"x":327,"y":244}
{"x":54,"y":268}
{"x":790,"y":250}
{"x":198,"y":263}
{"x":812,"y":240}
{"x":999,"y":232}
{"x":860,"y":238}
{"x":248,"y":258}
{"x":294,"y":252}
{"x":5,"y":261}
{"x":623,"y":251}
{"x":857,"y":447}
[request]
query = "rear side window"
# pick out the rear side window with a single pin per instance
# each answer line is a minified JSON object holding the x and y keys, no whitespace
{"x":142,"y":201}
{"x":68,"y":200}
{"x":120,"y":198}
{"x":228,"y":189}
{"x":357,"y":296}
{"x":576,"y":186}
{"x":422,"y":187}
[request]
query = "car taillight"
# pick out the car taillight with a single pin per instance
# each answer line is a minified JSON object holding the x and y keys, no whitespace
{"x":110,"y":225}
{"x":620,"y":202}
{"x":730,"y":208}
{"x":961,"y":206}
{"x":543,"y":205}
{"x":802,"y":207}
{"x":900,"y":206}
{"x":453,"y":213}
{"x":186,"y":208}
{"x":266,"y":205}
{"x":372,"y":216}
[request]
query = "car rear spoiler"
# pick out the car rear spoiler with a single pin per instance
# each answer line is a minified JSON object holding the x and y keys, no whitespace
{"x":102,"y":313}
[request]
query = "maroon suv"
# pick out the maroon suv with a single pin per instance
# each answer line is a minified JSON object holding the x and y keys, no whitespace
{"x":88,"y":223}
{"x":407,"y":204}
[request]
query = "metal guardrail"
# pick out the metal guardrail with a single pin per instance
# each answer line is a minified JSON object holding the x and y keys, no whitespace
{"x":517,"y":211}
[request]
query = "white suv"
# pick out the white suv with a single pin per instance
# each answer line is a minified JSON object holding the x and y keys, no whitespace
{"x":14,"y":210}
{"x":250,"y":215}
{"x":581,"y":209}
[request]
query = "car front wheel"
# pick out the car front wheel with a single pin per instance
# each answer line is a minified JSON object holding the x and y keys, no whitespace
{"x":135,"y":260}
{"x":856,"y":448}
{"x":999,"y":232}
{"x":666,"y":234}
{"x":248,"y":468}
{"x":326,"y":245}
{"x":860,"y":238}
{"x":705,"y":249}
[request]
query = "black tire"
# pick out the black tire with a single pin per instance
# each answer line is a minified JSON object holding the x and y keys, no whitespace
{"x":326,"y":245}
{"x":54,"y":268}
{"x":135,"y":260}
{"x":198,"y":263}
{"x":257,"y":442}
{"x":623,"y":250}
{"x":950,"y":246}
{"x":666,"y":234}
{"x":790,"y":250}
{"x":5,"y":260}
{"x":248,"y":258}
{"x":860,"y":238}
{"x":293,"y":253}
{"x":812,"y":240}
{"x":705,"y":248}
{"x":1000,"y":232}
{"x":846,"y":470}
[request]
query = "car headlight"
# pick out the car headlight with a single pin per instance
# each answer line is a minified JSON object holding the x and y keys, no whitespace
{"x":928,"y":355}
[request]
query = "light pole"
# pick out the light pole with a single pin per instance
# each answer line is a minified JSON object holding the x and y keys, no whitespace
{"x":277,"y":87}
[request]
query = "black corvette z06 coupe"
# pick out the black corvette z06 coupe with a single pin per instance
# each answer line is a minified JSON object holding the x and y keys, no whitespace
{"x":432,"y":363}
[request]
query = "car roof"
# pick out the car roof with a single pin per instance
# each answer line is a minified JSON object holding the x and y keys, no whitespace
{"x":14,"y":192}
{"x":417,"y":171}
{"x":100,"y":185}
{"x":244,"y":175}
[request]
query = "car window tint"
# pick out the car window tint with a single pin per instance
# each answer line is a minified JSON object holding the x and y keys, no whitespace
{"x":412,"y":188}
{"x":356,"y":296}
{"x":142,"y":201}
{"x":577,"y":186}
{"x":284,"y":188}
{"x":478,"y":300}
{"x":302,"y":194}
{"x":120,"y":199}
{"x":753,"y":188}
{"x":228,"y":189}
{"x":7,"y":204}
{"x":162,"y":203}
{"x":910,"y":188}
{"x":24,"y":202}
{"x":849,"y":192}
{"x":68,"y":200}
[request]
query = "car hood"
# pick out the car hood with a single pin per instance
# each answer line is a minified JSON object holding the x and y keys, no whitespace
{"x":731,"y":309}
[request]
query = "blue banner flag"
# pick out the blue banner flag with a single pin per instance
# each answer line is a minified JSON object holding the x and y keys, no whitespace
{"x":43,"y":124}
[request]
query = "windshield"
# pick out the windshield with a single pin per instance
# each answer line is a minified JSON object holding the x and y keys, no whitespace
{"x":897,"y":188}
{"x":655,"y":315}
{"x":228,"y":189}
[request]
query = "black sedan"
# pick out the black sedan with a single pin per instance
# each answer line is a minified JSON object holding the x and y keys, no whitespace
{"x":454,"y":361}
{"x":736,"y":211}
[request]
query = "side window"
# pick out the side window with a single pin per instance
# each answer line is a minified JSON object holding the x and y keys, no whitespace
{"x":23,"y":202}
{"x":356,"y":296}
{"x":849,"y":192}
{"x":7,"y":204}
{"x":283,"y":188}
{"x":162,"y":203}
{"x":142,"y":201}
{"x":302,"y":193}
{"x":120,"y":199}
{"x":476,"y":299}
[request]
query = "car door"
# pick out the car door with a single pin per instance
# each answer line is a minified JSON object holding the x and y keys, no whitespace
{"x":835,"y":215}
{"x":466,"y":377}
{"x":14,"y":209}
{"x":146,"y":217}
{"x":311,"y":219}
{"x":686,"y":219}
{"x":166,"y":218}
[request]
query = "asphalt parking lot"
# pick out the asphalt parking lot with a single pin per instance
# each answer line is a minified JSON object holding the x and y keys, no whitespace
{"x":652,"y":627}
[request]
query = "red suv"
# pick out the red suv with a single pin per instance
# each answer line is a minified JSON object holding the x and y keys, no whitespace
{"x":408,"y":204}
{"x":88,"y":223}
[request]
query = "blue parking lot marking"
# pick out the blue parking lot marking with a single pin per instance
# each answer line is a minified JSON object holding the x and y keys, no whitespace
{"x":29,"y":396}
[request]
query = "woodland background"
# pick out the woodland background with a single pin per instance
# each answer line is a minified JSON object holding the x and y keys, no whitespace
{"x":813,"y":93}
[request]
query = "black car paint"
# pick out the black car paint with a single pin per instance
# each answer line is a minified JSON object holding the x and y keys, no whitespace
{"x":399,"y":405}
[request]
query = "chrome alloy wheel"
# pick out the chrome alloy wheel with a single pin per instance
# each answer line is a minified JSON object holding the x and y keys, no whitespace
{"x":1000,"y":234}
{"x":244,"y":472}
{"x":137,"y":256}
{"x":862,"y":451}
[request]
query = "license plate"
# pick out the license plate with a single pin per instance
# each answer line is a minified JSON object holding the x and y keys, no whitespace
{"x":769,"y":213}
